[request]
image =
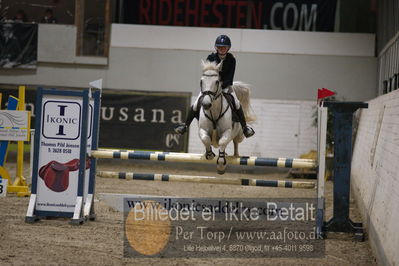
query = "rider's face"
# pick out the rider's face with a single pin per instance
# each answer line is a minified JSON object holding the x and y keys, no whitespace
{"x":222,"y":50}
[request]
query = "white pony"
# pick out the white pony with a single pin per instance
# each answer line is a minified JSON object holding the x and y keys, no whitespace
{"x":216,"y":126}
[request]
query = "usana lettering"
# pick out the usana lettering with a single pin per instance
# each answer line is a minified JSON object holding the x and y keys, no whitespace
{"x":139,"y":115}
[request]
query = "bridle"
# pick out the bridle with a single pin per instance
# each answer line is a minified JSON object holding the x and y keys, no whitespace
{"x":214,"y":95}
{"x":217,"y":93}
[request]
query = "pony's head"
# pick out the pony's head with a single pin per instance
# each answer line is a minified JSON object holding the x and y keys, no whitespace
{"x":210,"y":84}
{"x":208,"y":65}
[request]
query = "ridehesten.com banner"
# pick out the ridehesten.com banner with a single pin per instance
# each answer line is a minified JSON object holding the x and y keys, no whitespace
{"x":302,"y":15}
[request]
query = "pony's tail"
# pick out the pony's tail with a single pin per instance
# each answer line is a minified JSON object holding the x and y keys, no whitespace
{"x":243,"y":92}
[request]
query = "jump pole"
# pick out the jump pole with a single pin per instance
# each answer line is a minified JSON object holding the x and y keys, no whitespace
{"x":200,"y":158}
{"x":207,"y":179}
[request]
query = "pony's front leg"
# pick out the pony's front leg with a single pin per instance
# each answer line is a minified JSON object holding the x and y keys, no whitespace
{"x":206,"y":140}
{"x":222,"y":161}
{"x":236,"y":154}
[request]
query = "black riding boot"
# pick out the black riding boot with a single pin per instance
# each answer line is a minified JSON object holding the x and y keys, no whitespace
{"x":182,"y":128}
{"x":247,"y":130}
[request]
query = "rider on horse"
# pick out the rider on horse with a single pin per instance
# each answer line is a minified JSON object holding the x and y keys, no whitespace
{"x":222,"y":46}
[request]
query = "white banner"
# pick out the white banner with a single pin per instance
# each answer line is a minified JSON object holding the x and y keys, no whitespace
{"x":14,"y":125}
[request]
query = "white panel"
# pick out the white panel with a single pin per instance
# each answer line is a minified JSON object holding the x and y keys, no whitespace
{"x":300,"y":42}
{"x":170,"y":37}
{"x":272,"y":76}
{"x":375,"y":174}
{"x":279,"y":128}
{"x":244,"y":40}
{"x":57,"y":44}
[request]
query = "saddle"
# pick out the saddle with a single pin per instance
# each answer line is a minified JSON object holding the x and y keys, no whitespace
{"x":56,"y":175}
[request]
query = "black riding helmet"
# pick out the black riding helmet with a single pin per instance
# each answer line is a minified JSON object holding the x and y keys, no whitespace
{"x":223,"y":40}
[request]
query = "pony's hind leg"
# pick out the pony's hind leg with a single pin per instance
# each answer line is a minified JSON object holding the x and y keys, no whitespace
{"x":206,"y":140}
{"x":238,"y":139}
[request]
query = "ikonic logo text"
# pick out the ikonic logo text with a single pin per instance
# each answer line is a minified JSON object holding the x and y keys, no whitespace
{"x":61,"y":118}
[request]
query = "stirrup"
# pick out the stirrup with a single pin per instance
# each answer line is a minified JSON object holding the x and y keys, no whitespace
{"x":248,"y":131}
{"x":181,"y":129}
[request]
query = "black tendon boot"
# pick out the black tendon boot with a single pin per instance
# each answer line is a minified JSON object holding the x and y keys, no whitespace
{"x":182,"y":128}
{"x":247,"y":130}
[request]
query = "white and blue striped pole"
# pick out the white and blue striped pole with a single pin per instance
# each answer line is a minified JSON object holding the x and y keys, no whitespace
{"x":207,"y":179}
{"x":200,"y":158}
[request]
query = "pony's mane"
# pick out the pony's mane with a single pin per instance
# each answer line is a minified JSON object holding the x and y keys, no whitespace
{"x":207,"y":65}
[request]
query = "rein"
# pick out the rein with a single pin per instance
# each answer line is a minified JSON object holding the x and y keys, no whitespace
{"x":221,"y":113}
{"x":215,"y":95}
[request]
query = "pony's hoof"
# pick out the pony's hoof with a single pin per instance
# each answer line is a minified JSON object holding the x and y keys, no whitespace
{"x":210,"y":155}
{"x":248,"y":131}
{"x":221,"y":169}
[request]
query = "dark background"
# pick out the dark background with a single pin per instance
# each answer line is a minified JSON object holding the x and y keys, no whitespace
{"x":129,"y":134}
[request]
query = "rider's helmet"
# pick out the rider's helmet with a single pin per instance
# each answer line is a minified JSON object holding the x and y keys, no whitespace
{"x":223,"y":40}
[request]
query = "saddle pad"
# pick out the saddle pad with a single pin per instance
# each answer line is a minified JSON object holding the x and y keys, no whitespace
{"x":230,"y":100}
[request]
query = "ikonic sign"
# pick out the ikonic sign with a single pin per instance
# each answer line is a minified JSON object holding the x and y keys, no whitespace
{"x":58,"y":164}
{"x":62,"y":184}
{"x":14,"y":125}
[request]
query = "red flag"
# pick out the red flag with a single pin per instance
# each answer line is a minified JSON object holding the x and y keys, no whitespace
{"x":323,"y":93}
